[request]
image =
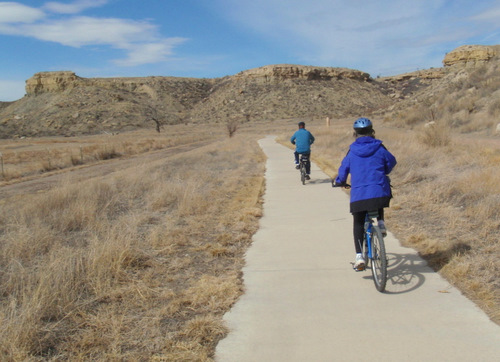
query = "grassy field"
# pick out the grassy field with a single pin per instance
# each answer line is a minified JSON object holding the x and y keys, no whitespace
{"x":143,"y":263}
{"x":27,"y":157}
{"x":137,"y":265}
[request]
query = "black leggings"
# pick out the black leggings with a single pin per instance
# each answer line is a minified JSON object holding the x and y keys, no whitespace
{"x":359,"y":227}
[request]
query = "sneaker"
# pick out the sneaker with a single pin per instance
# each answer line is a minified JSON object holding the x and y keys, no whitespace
{"x":308,"y":177}
{"x":381,"y":226}
{"x":359,"y":263}
{"x":297,"y":166}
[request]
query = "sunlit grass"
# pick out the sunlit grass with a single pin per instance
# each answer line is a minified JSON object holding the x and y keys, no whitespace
{"x":138,"y":265}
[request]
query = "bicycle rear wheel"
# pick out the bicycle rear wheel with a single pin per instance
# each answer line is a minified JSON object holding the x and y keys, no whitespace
{"x":303,"y":173}
{"x":379,"y":259}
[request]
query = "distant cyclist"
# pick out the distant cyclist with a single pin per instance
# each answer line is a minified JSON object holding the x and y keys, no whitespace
{"x":303,"y":139}
{"x":369,"y":163}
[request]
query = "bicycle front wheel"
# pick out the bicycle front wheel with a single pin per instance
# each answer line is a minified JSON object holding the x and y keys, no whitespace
{"x":379,"y":259}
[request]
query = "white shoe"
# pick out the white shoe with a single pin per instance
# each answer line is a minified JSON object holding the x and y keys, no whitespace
{"x":359,"y":263}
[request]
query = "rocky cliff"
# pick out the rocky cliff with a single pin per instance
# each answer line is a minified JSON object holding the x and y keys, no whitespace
{"x":62,"y":103}
{"x":470,"y":55}
{"x":280,"y":72}
{"x":52,"y":82}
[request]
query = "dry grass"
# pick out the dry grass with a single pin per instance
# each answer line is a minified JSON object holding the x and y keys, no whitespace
{"x":32,"y":156}
{"x":469,"y":103}
{"x":134,"y":267}
{"x":142,"y":265}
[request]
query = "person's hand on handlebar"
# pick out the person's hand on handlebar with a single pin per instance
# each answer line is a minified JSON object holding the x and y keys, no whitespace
{"x":340,"y":184}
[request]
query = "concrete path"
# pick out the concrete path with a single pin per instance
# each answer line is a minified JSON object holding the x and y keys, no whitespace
{"x":303,"y":301}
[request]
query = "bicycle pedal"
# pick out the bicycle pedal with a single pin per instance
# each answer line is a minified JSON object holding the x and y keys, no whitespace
{"x":359,"y":268}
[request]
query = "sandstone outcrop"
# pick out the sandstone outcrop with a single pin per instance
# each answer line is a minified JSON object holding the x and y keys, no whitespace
{"x":469,"y":55}
{"x":282,"y":72}
{"x":51,"y":82}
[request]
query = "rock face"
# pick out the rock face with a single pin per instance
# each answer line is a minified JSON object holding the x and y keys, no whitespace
{"x":51,"y":82}
{"x":282,"y":72}
{"x":469,"y":55}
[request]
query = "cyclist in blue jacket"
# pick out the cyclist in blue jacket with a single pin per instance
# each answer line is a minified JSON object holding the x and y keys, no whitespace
{"x":369,"y":163}
{"x":303,"y":139}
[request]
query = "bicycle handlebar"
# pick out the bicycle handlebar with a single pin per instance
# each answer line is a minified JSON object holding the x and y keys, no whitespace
{"x":344,"y":185}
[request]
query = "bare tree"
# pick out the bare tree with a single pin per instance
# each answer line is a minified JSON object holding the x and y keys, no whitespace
{"x":232,"y":127}
{"x":158,"y":124}
{"x":152,"y":114}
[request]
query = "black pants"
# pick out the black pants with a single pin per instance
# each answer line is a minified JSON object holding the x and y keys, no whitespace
{"x":308,"y":163}
{"x":359,"y":227}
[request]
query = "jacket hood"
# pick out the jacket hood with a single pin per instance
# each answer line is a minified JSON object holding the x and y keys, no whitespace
{"x":365,"y":146}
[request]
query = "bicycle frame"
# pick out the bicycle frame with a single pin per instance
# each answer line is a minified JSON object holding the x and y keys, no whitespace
{"x":368,"y":231}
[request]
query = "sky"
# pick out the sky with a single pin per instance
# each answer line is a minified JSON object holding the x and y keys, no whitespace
{"x":215,"y":38}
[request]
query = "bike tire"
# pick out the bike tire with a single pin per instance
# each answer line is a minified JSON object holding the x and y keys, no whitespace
{"x":303,"y":174}
{"x":378,"y":260}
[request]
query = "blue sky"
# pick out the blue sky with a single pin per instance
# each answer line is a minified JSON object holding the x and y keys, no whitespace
{"x":215,"y":38}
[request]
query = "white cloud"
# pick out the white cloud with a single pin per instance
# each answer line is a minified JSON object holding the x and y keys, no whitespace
{"x":491,"y":15}
{"x":80,"y":31}
{"x":139,"y":39}
{"x":149,"y":53}
{"x":73,"y":8}
{"x":11,"y":12}
{"x":11,"y":90}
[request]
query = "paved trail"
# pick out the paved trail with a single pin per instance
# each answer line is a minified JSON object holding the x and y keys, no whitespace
{"x":303,"y":301}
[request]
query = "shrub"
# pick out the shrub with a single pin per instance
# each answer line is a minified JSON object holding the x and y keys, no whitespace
{"x":435,"y":135}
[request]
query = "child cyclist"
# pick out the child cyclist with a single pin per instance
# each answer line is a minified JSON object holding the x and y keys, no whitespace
{"x":369,"y":163}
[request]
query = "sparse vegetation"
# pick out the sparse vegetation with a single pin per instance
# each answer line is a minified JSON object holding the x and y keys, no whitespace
{"x":140,"y":265}
{"x":30,"y":156}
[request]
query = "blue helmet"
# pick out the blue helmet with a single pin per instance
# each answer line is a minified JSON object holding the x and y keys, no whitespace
{"x":362,"y":124}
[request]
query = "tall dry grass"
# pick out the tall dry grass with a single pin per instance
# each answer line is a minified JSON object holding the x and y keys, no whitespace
{"x":468,"y":104}
{"x":138,"y":266}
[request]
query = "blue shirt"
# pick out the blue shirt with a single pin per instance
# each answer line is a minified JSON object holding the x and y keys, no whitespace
{"x":302,"y":139}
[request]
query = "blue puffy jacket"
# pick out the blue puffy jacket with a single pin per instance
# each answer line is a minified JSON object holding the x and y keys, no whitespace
{"x":302,"y":139}
{"x":369,"y":163}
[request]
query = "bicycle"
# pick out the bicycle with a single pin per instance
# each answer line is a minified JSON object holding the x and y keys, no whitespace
{"x":373,"y":248}
{"x":304,"y":158}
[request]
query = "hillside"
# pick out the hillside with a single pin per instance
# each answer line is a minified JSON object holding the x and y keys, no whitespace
{"x":62,"y":103}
